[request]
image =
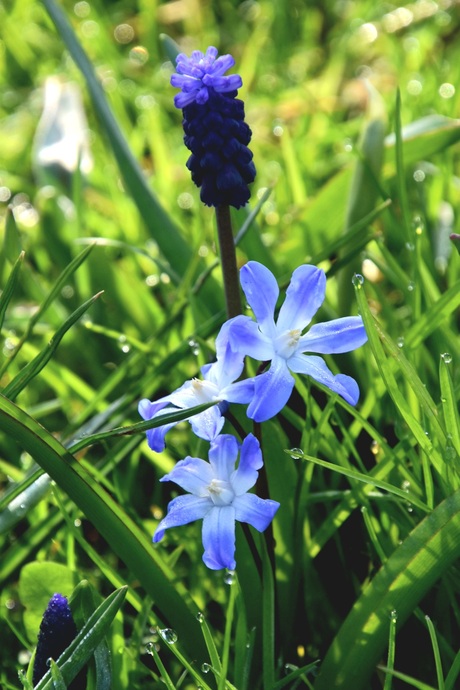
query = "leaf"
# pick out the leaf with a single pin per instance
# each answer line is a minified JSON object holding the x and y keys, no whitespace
{"x":412,"y":569}
{"x":38,"y":582}
{"x":10,"y":286}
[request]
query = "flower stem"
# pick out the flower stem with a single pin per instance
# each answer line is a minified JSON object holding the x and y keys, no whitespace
{"x":228,"y":261}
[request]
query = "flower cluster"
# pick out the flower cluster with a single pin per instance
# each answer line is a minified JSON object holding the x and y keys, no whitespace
{"x":57,"y":630}
{"x":215,"y":131}
{"x":219,"y":492}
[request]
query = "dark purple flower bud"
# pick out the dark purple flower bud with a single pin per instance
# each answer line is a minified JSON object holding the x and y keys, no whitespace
{"x":57,"y":630}
{"x":215,"y":131}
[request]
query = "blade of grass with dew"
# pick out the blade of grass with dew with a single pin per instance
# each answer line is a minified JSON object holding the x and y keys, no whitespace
{"x":385,"y":367}
{"x":449,"y":402}
{"x":124,"y":536}
{"x":423,"y":557}
{"x":391,"y":650}
{"x":49,"y":299}
{"x":82,"y":647}
{"x":31,"y":370}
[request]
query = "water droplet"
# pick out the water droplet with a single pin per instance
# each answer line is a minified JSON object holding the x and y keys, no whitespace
{"x":297,"y":451}
{"x":193,"y":345}
{"x":199,"y":617}
{"x":446,"y":357}
{"x":394,"y":616}
{"x":357,"y":280}
{"x":205,"y":667}
{"x":411,"y":286}
{"x":410,"y":246}
{"x":405,"y":486}
{"x":149,"y":647}
{"x":229,"y":577}
{"x":400,"y":341}
{"x":410,"y":508}
{"x":375,"y":447}
{"x":48,"y":662}
{"x":168,"y":635}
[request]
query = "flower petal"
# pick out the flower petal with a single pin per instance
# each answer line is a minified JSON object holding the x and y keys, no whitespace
{"x":239,"y":392}
{"x":148,"y":410}
{"x":222,"y":456}
{"x":256,"y":511}
{"x":251,"y":460}
{"x":181,"y":511}
{"x":261,"y":290}
{"x":339,"y":335}
{"x":219,"y":538}
{"x":191,"y":474}
{"x":245,"y":337}
{"x":316,"y":368}
{"x":271,"y":391}
{"x":208,"y":424}
{"x":304,"y":297}
{"x":229,"y":363}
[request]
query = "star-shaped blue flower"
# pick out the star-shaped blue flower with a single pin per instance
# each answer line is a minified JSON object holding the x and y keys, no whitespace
{"x":283,"y":342}
{"x":217,"y":385}
{"x":218,"y":494}
{"x":201,"y":71}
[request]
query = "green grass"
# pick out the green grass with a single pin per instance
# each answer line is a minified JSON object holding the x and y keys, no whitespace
{"x":112,"y":292}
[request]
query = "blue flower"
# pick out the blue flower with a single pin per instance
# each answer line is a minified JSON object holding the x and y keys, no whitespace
{"x":215,"y":131}
{"x":218,"y":494}
{"x":217,"y":385}
{"x":57,"y":630}
{"x":282,"y":342}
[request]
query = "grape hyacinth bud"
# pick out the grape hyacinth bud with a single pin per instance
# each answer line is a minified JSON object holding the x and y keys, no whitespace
{"x":57,"y":630}
{"x":215,"y":131}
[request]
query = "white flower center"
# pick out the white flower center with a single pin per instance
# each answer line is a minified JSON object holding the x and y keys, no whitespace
{"x":205,"y":391}
{"x":220,"y":492}
{"x":286,"y":344}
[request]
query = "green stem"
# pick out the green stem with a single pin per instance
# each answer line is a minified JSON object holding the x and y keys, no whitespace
{"x":228,"y":261}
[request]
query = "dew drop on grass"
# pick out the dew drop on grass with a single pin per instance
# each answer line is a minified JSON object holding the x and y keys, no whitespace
{"x":357,"y":280}
{"x":205,"y":667}
{"x":394,"y":616}
{"x":195,"y":348}
{"x":400,"y":341}
{"x":446,"y":357}
{"x":229,"y":577}
{"x":168,"y":635}
{"x":298,"y":451}
{"x":199,"y":617}
{"x":149,"y":648}
{"x":411,"y":286}
{"x":375,"y":447}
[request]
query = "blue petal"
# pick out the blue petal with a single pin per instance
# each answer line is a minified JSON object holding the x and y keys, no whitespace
{"x":191,"y":474}
{"x":239,"y":392}
{"x":148,"y":410}
{"x":316,"y":368}
{"x":222,"y":456}
{"x":261,"y":290}
{"x":251,"y":460}
{"x":219,"y":538}
{"x":304,"y":297}
{"x":181,"y":511}
{"x":271,"y":391}
{"x":208,"y":424}
{"x":229,"y":363}
{"x":246,"y":337}
{"x":256,"y":511}
{"x":339,"y":335}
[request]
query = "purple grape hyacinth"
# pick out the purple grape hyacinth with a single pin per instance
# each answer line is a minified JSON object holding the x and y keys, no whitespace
{"x":215,"y":131}
{"x":57,"y":630}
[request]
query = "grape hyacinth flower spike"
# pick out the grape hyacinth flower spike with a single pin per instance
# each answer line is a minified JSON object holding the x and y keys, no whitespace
{"x":218,"y":494}
{"x":215,"y":131}
{"x":57,"y":630}
{"x":282,"y":342}
{"x":217,"y":385}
